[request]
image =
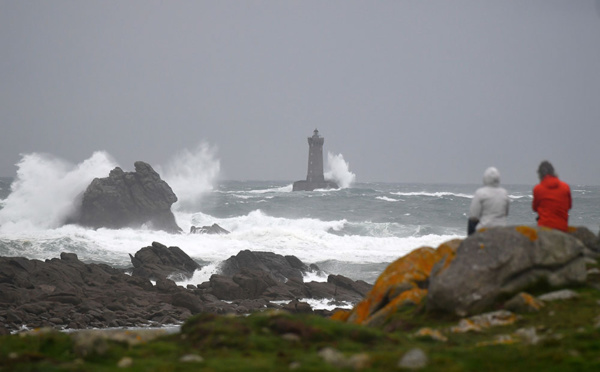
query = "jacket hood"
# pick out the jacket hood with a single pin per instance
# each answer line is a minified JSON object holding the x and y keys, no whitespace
{"x":550,"y":182}
{"x":491,"y":177}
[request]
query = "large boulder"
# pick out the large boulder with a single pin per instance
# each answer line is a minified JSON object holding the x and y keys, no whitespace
{"x":590,"y":240}
{"x":281,"y":268}
{"x":403,"y":283}
{"x":159,"y":262}
{"x":503,"y":261}
{"x":128,"y":199}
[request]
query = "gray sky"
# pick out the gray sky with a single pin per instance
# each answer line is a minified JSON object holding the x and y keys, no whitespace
{"x":406,"y":91}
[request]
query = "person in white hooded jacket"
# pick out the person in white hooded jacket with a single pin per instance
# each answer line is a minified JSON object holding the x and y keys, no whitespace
{"x":489,"y":206}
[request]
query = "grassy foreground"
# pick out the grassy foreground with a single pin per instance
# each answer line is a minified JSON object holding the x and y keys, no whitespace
{"x":566,"y":338}
{"x":563,"y":335}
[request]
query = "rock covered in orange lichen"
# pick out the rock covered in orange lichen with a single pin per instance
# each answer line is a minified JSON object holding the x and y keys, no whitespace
{"x":528,"y":231}
{"x":403,"y":282}
{"x":503,"y":261}
{"x":341,"y":315}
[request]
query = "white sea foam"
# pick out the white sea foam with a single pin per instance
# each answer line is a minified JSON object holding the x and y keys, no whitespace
{"x":287,"y":188}
{"x":439,"y":194}
{"x":339,"y":171}
{"x":315,"y":276}
{"x":202,"y":275}
{"x":307,"y":239}
{"x":45,"y":190}
{"x":320,"y":304}
{"x":385,"y":198}
{"x":520,"y":196}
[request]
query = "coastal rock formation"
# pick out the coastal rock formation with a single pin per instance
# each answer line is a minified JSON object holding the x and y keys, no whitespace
{"x":252,"y":284}
{"x":280,"y":268}
{"x":504,"y":261}
{"x":403,"y":282}
{"x":266,"y":275}
{"x":213,"y":229}
{"x":466,"y":276}
{"x":68,"y":293}
{"x":128,"y":199}
{"x":589,"y":240}
{"x":159,"y":262}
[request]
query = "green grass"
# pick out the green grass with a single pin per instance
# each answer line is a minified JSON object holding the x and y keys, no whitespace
{"x":276,"y":341}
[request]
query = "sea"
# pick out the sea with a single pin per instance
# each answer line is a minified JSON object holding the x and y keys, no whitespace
{"x":355,"y":231}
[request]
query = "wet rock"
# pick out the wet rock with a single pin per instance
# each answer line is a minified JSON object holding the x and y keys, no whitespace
{"x":128,"y":199}
{"x":297,"y":307}
{"x":281,"y":268}
{"x":213,"y":229}
{"x":158,"y":261}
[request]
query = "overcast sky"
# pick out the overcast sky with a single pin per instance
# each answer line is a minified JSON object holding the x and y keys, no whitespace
{"x":406,"y":91}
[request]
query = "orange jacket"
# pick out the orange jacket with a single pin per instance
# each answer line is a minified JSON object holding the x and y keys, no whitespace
{"x":552,"y":201}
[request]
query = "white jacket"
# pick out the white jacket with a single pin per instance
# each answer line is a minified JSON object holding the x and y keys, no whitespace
{"x":490,"y":202}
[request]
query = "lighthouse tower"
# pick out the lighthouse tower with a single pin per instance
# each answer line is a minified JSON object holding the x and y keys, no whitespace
{"x":315,"y":158}
{"x":314,"y":177}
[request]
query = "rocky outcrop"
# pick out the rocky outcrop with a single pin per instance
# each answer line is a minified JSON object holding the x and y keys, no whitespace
{"x":464,"y":277}
{"x":213,"y":229}
{"x":404,"y":282}
{"x":159,"y":262}
{"x":66,"y":292}
{"x":128,"y":199}
{"x":280,"y":268}
{"x":266,"y":275}
{"x":501,"y":262}
{"x":590,"y":240}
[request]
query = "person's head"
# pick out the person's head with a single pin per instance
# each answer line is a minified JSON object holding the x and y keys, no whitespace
{"x":491,"y":177}
{"x":545,"y":169}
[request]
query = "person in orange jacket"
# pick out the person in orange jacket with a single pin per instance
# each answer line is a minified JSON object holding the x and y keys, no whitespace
{"x":551,"y":199}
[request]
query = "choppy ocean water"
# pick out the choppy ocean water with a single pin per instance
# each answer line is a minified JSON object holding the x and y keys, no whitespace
{"x":355,"y":231}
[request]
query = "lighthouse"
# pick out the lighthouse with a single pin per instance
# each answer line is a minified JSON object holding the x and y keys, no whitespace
{"x":314,"y":176}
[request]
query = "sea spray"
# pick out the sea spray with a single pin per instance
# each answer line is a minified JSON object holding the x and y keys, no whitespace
{"x":46,"y":188}
{"x":338,"y":171}
{"x":191,"y":174}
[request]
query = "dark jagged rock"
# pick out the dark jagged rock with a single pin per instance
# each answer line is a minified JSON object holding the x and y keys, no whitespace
{"x":69,"y":293}
{"x":266,"y":275}
{"x":128,"y":199}
{"x":66,"y":292}
{"x":158,"y":261}
{"x":298,"y":307}
{"x":247,"y":284}
{"x":281,"y":268}
{"x":214,"y":229}
{"x":358,"y":286}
